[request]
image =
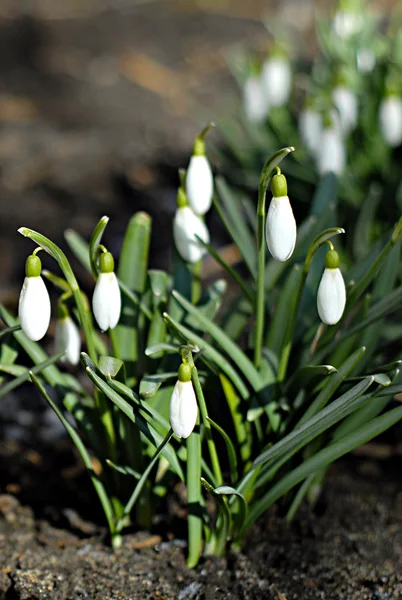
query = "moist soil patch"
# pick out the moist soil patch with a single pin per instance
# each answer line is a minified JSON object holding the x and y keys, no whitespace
{"x":349,"y":548}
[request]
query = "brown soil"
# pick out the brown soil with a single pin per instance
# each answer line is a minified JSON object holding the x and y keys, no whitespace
{"x":350,"y":548}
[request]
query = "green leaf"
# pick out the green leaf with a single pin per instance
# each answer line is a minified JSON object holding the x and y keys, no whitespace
{"x":9,"y":330}
{"x":150,"y":384}
{"x":79,"y":247}
{"x":225,"y":490}
{"x":110,"y":366}
{"x":242,"y":362}
{"x":24,"y":375}
{"x":229,"y":447}
{"x":322,"y":458}
{"x":326,"y":194}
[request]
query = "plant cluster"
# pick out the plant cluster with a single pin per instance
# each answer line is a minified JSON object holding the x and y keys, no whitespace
{"x":246,"y":396}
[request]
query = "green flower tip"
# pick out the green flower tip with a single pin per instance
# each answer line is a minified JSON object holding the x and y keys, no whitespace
{"x":33,"y":266}
{"x":279,"y":186}
{"x":181,"y":198}
{"x":332,"y":260}
{"x":106,"y":263}
{"x":199,"y":147}
{"x":184,"y":374}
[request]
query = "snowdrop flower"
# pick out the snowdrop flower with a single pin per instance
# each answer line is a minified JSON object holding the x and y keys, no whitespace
{"x":345,"y":102}
{"x":310,"y":127}
{"x":331,"y":155}
{"x":199,"y":178}
{"x":280,"y":227}
{"x":331,"y":296}
{"x":255,"y":100}
{"x":186,"y":225}
{"x":348,"y":20}
{"x":106,"y":301}
{"x":67,"y":337}
{"x":390,"y":118}
{"x":365,"y":60}
{"x":277,"y":80}
{"x":34,"y":302}
{"x":183,"y":404}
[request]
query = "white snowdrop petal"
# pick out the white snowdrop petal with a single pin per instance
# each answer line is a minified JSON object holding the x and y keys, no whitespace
{"x":199,"y":184}
{"x":183,"y":409}
{"x":34,"y":308}
{"x":331,"y":152}
{"x":68,"y":340}
{"x":347,"y":23}
{"x":390,"y":117}
{"x":106,"y":301}
{"x":310,"y":126}
{"x":277,"y":80}
{"x":186,"y":226}
{"x":331,"y":296}
{"x":346,"y":102}
{"x":255,"y":100}
{"x":280,"y":229}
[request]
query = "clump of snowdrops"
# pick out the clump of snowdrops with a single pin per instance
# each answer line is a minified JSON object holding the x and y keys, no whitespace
{"x":246,"y":397}
{"x":341,"y":106}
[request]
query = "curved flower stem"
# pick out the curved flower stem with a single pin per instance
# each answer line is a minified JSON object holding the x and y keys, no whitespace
{"x":265,"y":178}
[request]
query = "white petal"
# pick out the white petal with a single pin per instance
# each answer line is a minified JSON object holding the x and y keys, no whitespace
{"x":347,"y":23}
{"x":277,"y":79}
{"x":331,"y":296}
{"x":34,"y":308}
{"x":183,"y":409}
{"x":199,"y":184}
{"x":280,"y":229}
{"x":346,"y":102}
{"x":391,"y":120}
{"x":310,"y":125}
{"x":106,"y":301}
{"x":255,"y":100}
{"x":331,"y":152}
{"x":186,"y":226}
{"x":67,"y":339}
{"x":365,"y":60}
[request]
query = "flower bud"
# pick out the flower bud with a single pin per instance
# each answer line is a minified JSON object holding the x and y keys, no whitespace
{"x":331,"y":155}
{"x":280,"y":227}
{"x":255,"y":100}
{"x":310,"y":127}
{"x":186,"y":225}
{"x":277,"y":80}
{"x":346,"y":103}
{"x":106,"y":301}
{"x":67,"y":339}
{"x":183,"y":404}
{"x":331,"y":295}
{"x":199,"y":180}
{"x":34,"y":301}
{"x":390,"y":118}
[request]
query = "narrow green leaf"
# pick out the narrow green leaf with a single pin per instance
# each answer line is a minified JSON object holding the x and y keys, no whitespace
{"x":322,"y":458}
{"x":194,"y":497}
{"x":94,"y":243}
{"x":25,"y":374}
{"x":79,"y":247}
{"x":9,"y":330}
{"x":230,"y":449}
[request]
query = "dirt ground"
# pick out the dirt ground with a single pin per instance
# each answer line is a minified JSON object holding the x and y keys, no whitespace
{"x":350,"y":549}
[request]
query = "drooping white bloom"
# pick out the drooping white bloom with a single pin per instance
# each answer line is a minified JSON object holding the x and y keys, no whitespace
{"x":34,"y":301}
{"x":67,"y":339}
{"x":183,"y":404}
{"x":280,"y":226}
{"x":331,"y":154}
{"x":310,"y":127}
{"x":390,"y":117}
{"x":331,"y":295}
{"x":277,"y":80}
{"x":365,"y":60}
{"x":106,"y":301}
{"x":255,"y":100}
{"x":347,"y":23}
{"x":346,"y":103}
{"x":199,"y":184}
{"x":186,"y":225}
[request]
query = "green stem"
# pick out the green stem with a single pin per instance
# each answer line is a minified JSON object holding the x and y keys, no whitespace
{"x":194,"y":497}
{"x":265,"y":178}
{"x":216,"y":468}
